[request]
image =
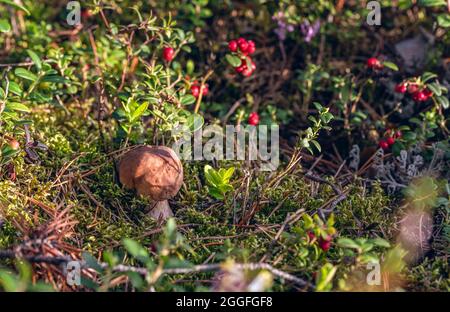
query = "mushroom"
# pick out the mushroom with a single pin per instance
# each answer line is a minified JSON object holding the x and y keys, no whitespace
{"x":155,"y":172}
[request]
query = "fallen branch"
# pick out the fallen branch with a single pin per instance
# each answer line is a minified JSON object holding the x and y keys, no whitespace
{"x":17,"y":64}
{"x":10,"y":254}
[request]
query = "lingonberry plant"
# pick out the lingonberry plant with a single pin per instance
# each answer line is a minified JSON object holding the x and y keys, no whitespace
{"x":423,"y":88}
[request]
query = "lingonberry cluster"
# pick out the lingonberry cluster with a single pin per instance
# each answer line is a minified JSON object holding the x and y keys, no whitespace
{"x":374,"y":63}
{"x":418,"y":93}
{"x":242,"y":48}
{"x":253,"y":119}
{"x":324,"y":243}
{"x":389,"y":139}
{"x":195,"y":89}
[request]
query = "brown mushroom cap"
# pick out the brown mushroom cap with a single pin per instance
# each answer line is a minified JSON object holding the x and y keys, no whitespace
{"x":153,"y":171}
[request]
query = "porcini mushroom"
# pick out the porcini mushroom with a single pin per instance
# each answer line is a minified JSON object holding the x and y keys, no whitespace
{"x":155,"y":172}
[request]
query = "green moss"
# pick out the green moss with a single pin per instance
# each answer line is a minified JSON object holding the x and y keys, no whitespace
{"x":77,"y":173}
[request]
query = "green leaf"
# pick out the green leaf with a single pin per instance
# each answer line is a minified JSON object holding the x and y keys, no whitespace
{"x":309,"y":222}
{"x":41,"y":97}
{"x":194,"y":122}
{"x":427,"y":76}
{"x":188,"y":99}
{"x":248,"y":62}
{"x":171,"y":227}
{"x":15,"y":88}
{"x":381,"y":242}
{"x":135,"y":249}
{"x":190,"y":66}
{"x":35,"y":58}
{"x":25,"y":74}
{"x":318,"y":106}
{"x":211,"y":175}
{"x":430,"y":3}
{"x":9,"y":282}
{"x":391,"y":65}
{"x":119,"y":114}
{"x":14,"y":106}
{"x":16,"y":5}
{"x":54,"y":79}
{"x":368,"y":258}
{"x":136,"y":280}
{"x":348,"y":243}
{"x":326,"y":117}
{"x":325,"y":277}
{"x":366,"y":247}
{"x":91,"y":262}
{"x":304,"y":143}
{"x":214,"y":192}
{"x":186,"y":48}
{"x":435,"y":88}
{"x":312,"y":119}
{"x":317,"y":145}
{"x":398,"y":147}
{"x":8,"y":152}
{"x":228,"y":174}
{"x":139,"y":111}
{"x":444,"y":20}
{"x":409,"y":136}
{"x":443,"y":101}
{"x":4,"y":26}
{"x":233,"y":60}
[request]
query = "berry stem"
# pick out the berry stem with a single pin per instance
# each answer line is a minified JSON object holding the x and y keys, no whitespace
{"x":202,"y":85}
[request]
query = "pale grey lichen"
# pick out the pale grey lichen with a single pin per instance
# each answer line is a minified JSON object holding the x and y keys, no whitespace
{"x":354,"y":158}
{"x":396,"y":173}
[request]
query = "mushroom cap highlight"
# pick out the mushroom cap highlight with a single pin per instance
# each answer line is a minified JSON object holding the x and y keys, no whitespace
{"x":153,"y":171}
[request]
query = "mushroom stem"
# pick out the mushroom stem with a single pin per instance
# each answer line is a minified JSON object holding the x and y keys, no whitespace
{"x":160,"y":210}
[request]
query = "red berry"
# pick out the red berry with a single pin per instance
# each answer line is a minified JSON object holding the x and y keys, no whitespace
{"x":243,"y":45}
{"x":383,"y":144}
{"x":251,"y":47}
{"x":401,"y":88}
{"x":420,"y":96}
{"x":205,"y":90}
{"x":398,"y":134}
{"x":253,"y":119}
{"x":232,"y":45}
{"x":373,"y":63}
{"x":240,"y":69}
{"x":428,"y":93}
{"x":13,"y":144}
{"x":86,"y":13}
{"x":195,"y":90}
{"x":324,"y":244}
{"x":244,"y":69}
{"x":168,"y":54}
{"x":247,"y":72}
{"x":311,"y":236}
{"x":390,"y":141}
{"x":413,"y":88}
